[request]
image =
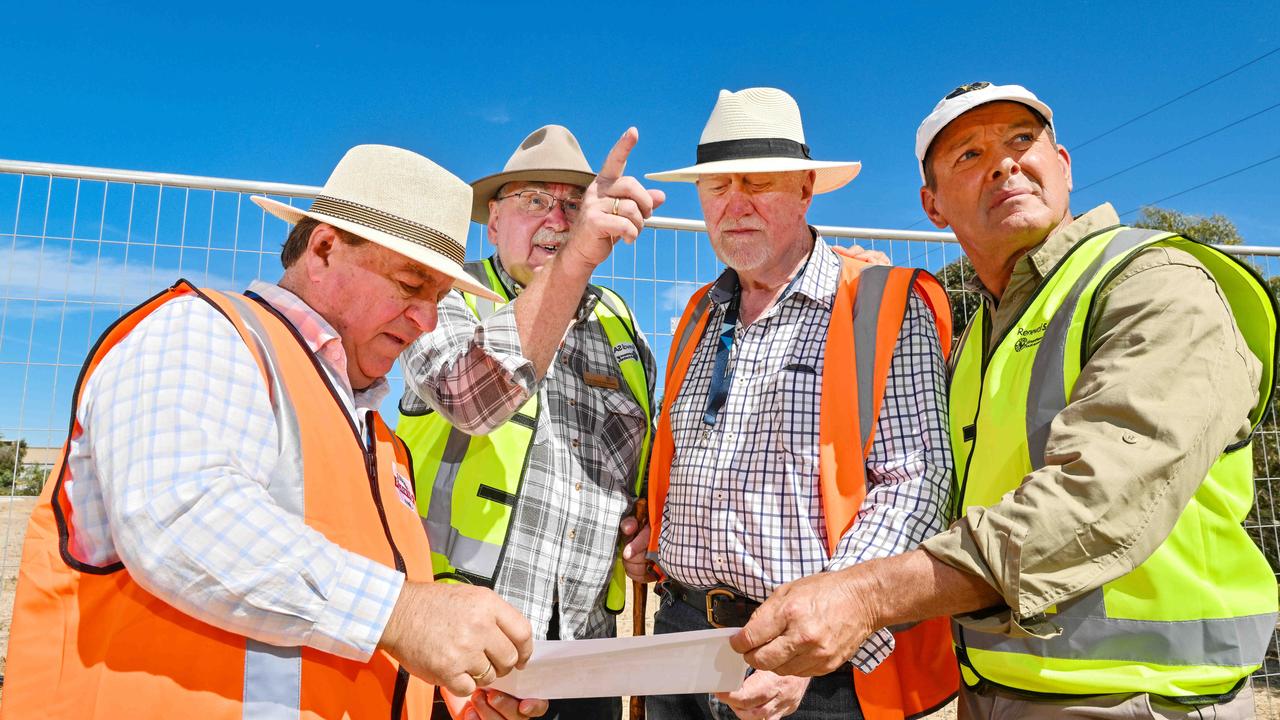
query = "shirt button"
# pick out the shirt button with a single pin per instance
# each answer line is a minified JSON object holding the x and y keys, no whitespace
{"x":577,"y":486}
{"x":720,"y":494}
{"x":573,"y":403}
{"x":1130,"y":437}
{"x":574,"y":442}
{"x":572,"y":533}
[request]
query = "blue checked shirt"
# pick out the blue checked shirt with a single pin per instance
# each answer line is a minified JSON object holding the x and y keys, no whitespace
{"x":169,"y":476}
{"x":744,"y":506}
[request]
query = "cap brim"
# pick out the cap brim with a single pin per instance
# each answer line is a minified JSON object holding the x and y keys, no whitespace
{"x":462,"y":280}
{"x":830,"y":175}
{"x":483,"y":190}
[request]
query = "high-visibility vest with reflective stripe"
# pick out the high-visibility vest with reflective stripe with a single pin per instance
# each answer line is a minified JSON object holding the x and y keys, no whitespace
{"x":866,"y":317}
{"x":468,"y":485}
{"x":90,"y":642}
{"x":1197,"y":615}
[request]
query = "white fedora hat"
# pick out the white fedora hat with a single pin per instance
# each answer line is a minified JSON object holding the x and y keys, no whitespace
{"x":965,"y":98}
{"x":549,"y":154}
{"x":758,"y":130}
{"x":399,"y":200}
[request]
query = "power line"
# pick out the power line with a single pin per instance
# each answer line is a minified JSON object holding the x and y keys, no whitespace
{"x":1207,"y":182}
{"x":1195,"y":89}
{"x":1175,"y":149}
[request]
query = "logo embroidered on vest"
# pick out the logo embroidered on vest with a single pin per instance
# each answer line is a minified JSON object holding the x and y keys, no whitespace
{"x":1029,"y":337}
{"x":624,"y":352}
{"x":404,"y":488}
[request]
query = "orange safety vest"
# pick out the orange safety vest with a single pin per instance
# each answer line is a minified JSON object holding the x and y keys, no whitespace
{"x":90,"y":642}
{"x":921,"y":675}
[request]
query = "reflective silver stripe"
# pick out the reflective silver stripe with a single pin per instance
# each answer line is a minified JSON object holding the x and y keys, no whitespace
{"x":866,"y":319}
{"x":1224,"y":642}
{"x":273,"y":682}
{"x":472,"y":556}
{"x":272,"y":674}
{"x":1047,"y":395}
{"x":439,"y":519}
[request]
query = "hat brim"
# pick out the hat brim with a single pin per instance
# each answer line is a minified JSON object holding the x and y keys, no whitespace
{"x":462,"y":280}
{"x":830,"y":175}
{"x":483,"y":190}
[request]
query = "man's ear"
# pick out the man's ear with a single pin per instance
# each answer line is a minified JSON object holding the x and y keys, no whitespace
{"x":324,"y":238}
{"x":929,"y":201}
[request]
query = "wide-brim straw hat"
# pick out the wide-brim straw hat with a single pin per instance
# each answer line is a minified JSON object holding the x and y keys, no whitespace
{"x":549,"y":154}
{"x":399,"y":200}
{"x":758,"y":130}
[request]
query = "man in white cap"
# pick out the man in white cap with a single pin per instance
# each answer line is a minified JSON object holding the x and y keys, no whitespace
{"x":1102,"y":404}
{"x":754,"y":481}
{"x":529,"y":419}
{"x":231,"y":530}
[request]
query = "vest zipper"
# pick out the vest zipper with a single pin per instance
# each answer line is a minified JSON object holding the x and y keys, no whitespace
{"x":371,"y":468}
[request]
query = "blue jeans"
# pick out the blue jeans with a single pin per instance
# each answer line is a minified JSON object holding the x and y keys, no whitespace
{"x":829,"y":697}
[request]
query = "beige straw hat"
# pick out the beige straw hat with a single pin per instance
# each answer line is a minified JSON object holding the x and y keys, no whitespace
{"x":758,"y":130}
{"x":399,"y":200}
{"x":550,"y":154}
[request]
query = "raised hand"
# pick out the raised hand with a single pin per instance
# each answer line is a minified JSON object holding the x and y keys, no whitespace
{"x":614,"y":207}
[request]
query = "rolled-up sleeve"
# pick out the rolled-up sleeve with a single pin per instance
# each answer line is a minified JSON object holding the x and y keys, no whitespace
{"x":1168,"y":386}
{"x":472,"y":372}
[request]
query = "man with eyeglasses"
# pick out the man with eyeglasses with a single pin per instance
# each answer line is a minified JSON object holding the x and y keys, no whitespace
{"x":529,"y":419}
{"x":1102,"y":402}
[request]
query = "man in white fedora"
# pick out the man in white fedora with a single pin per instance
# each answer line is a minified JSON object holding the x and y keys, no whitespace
{"x":529,"y":419}
{"x":745,"y":493}
{"x":1102,"y":404}
{"x":231,"y":530}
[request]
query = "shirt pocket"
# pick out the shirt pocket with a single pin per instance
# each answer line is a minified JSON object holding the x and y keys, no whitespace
{"x":619,"y":436}
{"x":795,"y":412}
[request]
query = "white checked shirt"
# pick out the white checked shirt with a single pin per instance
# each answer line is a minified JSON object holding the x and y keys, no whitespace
{"x":744,"y":506}
{"x":169,"y":476}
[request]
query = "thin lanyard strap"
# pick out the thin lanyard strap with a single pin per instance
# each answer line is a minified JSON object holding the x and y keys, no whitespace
{"x":721,"y":373}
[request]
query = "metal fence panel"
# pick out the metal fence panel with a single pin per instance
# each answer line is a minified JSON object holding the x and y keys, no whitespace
{"x":79,"y":246}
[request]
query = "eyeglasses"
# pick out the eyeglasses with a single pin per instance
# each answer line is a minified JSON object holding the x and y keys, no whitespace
{"x":968,"y":87}
{"x":536,"y":203}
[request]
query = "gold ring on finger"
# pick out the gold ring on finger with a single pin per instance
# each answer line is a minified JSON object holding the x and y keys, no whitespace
{"x":614,"y":211}
{"x":481,"y":678}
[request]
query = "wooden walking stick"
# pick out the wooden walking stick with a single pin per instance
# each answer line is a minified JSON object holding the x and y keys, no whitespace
{"x":639,"y":599}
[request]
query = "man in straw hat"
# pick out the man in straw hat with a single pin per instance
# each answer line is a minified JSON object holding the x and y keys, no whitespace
{"x":1102,"y":403}
{"x":529,"y":419}
{"x":231,"y":530}
{"x":761,"y":474}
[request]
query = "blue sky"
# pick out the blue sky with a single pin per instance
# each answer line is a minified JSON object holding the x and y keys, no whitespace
{"x":279,"y":91}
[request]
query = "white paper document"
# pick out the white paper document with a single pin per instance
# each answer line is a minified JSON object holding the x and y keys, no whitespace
{"x":690,"y":662}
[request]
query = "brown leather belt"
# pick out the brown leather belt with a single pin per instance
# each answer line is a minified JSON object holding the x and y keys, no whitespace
{"x":722,"y":606}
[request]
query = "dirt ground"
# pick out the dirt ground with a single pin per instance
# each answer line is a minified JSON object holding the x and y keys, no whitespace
{"x":13,"y":523}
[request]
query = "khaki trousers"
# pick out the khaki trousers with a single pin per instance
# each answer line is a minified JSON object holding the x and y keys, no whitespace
{"x":991,"y":704}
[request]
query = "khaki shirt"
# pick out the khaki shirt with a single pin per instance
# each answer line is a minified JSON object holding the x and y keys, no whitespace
{"x":1169,"y":384}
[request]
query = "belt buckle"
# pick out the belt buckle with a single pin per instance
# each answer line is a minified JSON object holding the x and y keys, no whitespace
{"x":712,"y":594}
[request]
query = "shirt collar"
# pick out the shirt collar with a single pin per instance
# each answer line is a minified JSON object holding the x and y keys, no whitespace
{"x":320,"y":337}
{"x":515,"y":288}
{"x":1044,"y":257}
{"x":817,"y":280}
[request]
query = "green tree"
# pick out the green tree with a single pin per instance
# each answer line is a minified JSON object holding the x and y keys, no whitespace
{"x":17,"y":478}
{"x":1216,"y":229}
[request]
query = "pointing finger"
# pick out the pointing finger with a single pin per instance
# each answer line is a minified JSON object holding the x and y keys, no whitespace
{"x":616,"y":163}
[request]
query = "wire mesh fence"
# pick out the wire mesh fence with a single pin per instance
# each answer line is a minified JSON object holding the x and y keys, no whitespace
{"x":79,"y":246}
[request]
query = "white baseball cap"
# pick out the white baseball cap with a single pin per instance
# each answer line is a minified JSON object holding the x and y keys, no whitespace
{"x":965,"y":98}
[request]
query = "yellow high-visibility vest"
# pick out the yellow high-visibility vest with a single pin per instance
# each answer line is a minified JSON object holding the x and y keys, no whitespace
{"x":467,"y":486}
{"x":1194,"y":618}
